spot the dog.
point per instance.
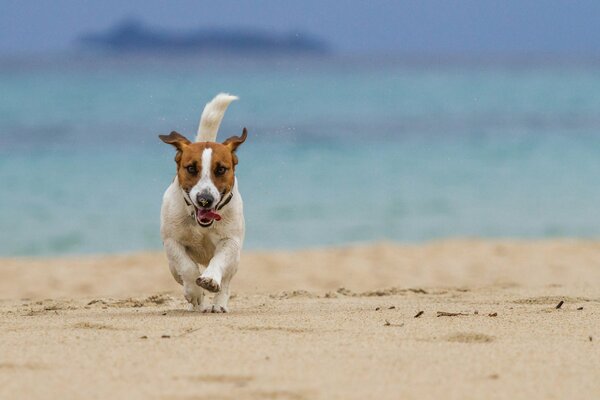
(202, 218)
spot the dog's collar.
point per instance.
(192, 209)
(226, 201)
(223, 203)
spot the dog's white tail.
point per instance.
(212, 116)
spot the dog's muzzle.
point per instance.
(204, 216)
(205, 200)
(207, 214)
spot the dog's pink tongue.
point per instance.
(208, 214)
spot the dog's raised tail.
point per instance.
(212, 116)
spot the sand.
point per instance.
(336, 323)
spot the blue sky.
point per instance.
(474, 27)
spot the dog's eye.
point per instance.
(192, 169)
(220, 170)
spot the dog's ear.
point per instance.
(234, 142)
(175, 139)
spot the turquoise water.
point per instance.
(339, 150)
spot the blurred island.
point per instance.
(132, 36)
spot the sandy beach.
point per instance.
(335, 323)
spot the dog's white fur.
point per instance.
(217, 247)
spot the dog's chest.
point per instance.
(200, 244)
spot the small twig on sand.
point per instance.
(559, 305)
(188, 331)
(417, 315)
(450, 314)
(388, 323)
(494, 314)
(579, 308)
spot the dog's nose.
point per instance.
(205, 200)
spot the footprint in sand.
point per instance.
(462, 337)
(551, 300)
(9, 366)
(273, 328)
(223, 379)
(93, 325)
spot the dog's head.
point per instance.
(206, 172)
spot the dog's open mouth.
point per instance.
(206, 217)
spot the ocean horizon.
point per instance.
(340, 149)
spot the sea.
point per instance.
(340, 150)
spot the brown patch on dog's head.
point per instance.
(190, 164)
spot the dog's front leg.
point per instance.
(219, 272)
(187, 270)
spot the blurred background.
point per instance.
(405, 121)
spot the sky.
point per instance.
(425, 27)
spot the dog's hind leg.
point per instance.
(175, 273)
(184, 268)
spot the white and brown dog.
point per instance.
(202, 219)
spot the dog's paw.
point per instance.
(220, 309)
(208, 284)
(195, 302)
(195, 308)
(215, 309)
(194, 296)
